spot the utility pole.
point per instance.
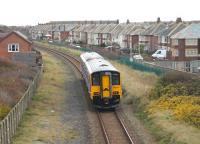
(131, 51)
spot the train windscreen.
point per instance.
(96, 79)
(115, 78)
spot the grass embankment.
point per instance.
(42, 121)
(14, 80)
(168, 106)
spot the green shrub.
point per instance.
(4, 110)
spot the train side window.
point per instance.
(96, 79)
(115, 79)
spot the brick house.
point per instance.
(185, 45)
(150, 38)
(12, 43)
(171, 29)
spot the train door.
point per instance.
(105, 86)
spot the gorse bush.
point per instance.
(186, 108)
(179, 93)
(175, 84)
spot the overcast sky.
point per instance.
(30, 12)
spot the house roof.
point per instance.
(64, 27)
(190, 32)
(81, 28)
(154, 29)
(118, 29)
(4, 28)
(171, 29)
(43, 27)
(128, 28)
(2, 35)
(137, 31)
(5, 35)
(109, 28)
(100, 28)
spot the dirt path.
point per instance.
(57, 112)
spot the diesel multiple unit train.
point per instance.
(102, 80)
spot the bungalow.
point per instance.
(185, 45)
(15, 46)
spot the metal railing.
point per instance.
(9, 124)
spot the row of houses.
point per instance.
(182, 39)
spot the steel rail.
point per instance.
(124, 128)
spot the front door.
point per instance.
(105, 86)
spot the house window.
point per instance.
(174, 42)
(174, 52)
(14, 47)
(191, 52)
(191, 42)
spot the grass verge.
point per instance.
(42, 121)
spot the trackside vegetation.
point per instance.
(179, 93)
(14, 80)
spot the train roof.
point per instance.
(95, 62)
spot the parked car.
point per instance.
(160, 54)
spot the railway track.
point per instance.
(113, 127)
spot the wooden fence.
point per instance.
(10, 123)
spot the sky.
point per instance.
(32, 12)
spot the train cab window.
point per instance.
(115, 79)
(96, 79)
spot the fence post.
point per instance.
(8, 130)
(1, 132)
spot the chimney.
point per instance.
(117, 21)
(178, 20)
(127, 22)
(158, 20)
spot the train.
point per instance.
(103, 80)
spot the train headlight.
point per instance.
(96, 94)
(115, 93)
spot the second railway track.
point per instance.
(113, 127)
